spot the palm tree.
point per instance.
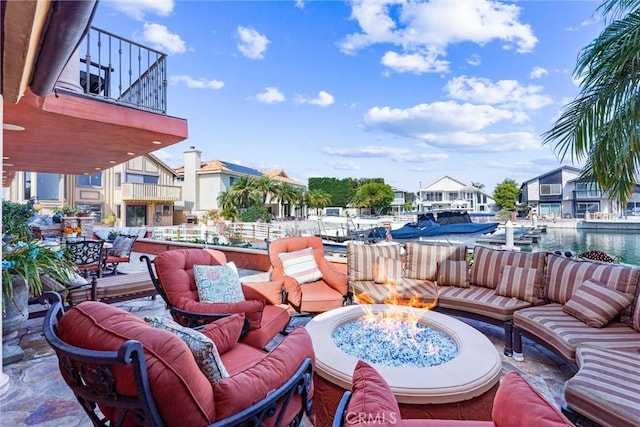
(318, 199)
(602, 124)
(265, 186)
(284, 194)
(244, 189)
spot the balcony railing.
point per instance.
(123, 71)
(151, 192)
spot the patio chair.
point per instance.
(125, 372)
(118, 253)
(172, 273)
(313, 285)
(87, 255)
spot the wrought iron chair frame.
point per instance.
(89, 375)
(90, 254)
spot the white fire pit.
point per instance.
(473, 371)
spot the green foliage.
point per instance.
(31, 259)
(601, 124)
(14, 220)
(254, 213)
(506, 194)
(337, 188)
(374, 195)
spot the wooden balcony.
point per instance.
(132, 191)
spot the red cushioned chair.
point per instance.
(327, 293)
(516, 404)
(124, 372)
(174, 280)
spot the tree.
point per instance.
(506, 194)
(244, 190)
(285, 194)
(374, 195)
(318, 199)
(601, 125)
(265, 186)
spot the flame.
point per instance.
(400, 309)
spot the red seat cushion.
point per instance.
(182, 393)
(533, 410)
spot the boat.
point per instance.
(428, 225)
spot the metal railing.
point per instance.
(151, 192)
(123, 71)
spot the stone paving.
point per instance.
(37, 395)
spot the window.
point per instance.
(232, 179)
(587, 189)
(48, 186)
(142, 179)
(633, 208)
(94, 180)
(118, 211)
(550, 209)
(453, 196)
(95, 210)
(550, 189)
(27, 185)
(582, 208)
(117, 180)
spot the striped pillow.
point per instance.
(301, 265)
(595, 304)
(517, 282)
(453, 273)
(422, 259)
(388, 271)
(635, 319)
(361, 259)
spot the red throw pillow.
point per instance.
(225, 332)
(533, 410)
(252, 309)
(372, 401)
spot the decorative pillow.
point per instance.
(388, 271)
(595, 304)
(539, 412)
(517, 282)
(271, 292)
(361, 259)
(301, 265)
(124, 248)
(217, 283)
(453, 273)
(203, 349)
(372, 398)
(224, 332)
(422, 259)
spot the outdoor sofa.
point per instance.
(536, 294)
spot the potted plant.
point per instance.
(22, 264)
(109, 220)
(70, 231)
(14, 221)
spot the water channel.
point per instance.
(622, 245)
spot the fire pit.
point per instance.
(473, 369)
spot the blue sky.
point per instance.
(408, 91)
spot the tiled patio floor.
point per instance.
(38, 396)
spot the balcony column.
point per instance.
(70, 77)
(4, 378)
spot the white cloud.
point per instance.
(474, 60)
(252, 44)
(538, 72)
(345, 165)
(324, 99)
(483, 142)
(414, 63)
(161, 39)
(300, 4)
(436, 117)
(137, 9)
(193, 83)
(270, 96)
(428, 28)
(377, 151)
(505, 93)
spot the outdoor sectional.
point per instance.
(535, 294)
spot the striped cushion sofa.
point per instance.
(498, 283)
(582, 297)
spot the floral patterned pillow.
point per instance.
(217, 283)
(203, 348)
